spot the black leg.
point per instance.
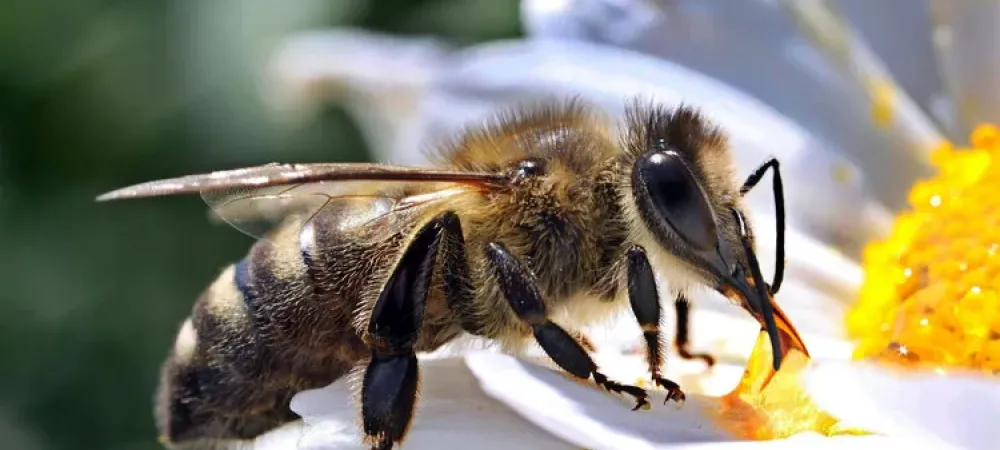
(645, 303)
(520, 288)
(779, 207)
(389, 389)
(683, 309)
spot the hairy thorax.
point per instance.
(567, 233)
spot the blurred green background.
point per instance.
(98, 94)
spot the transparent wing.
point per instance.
(256, 212)
(256, 199)
(273, 175)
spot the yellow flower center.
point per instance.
(931, 295)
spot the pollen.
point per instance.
(768, 405)
(931, 294)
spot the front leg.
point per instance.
(645, 302)
(520, 288)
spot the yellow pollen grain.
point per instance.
(931, 295)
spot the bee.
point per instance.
(525, 230)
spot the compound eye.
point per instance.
(673, 197)
(529, 168)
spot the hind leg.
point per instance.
(390, 384)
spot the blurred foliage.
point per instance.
(97, 94)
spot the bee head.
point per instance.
(685, 199)
(675, 206)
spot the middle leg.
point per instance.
(521, 290)
(683, 309)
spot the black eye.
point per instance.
(529, 168)
(670, 194)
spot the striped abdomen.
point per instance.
(280, 321)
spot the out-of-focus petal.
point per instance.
(379, 78)
(956, 409)
(905, 47)
(755, 47)
(452, 412)
(967, 37)
(891, 108)
(613, 21)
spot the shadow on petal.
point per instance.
(452, 412)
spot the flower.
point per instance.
(851, 162)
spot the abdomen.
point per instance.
(280, 321)
(267, 328)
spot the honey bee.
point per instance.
(527, 229)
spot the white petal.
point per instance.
(956, 409)
(812, 442)
(584, 415)
(905, 46)
(592, 418)
(452, 412)
(379, 78)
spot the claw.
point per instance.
(674, 391)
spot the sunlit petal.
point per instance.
(591, 418)
(585, 415)
(960, 410)
(811, 442)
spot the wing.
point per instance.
(382, 209)
(257, 199)
(271, 175)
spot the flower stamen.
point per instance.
(931, 295)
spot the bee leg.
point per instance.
(520, 288)
(458, 291)
(645, 302)
(779, 209)
(389, 389)
(683, 310)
